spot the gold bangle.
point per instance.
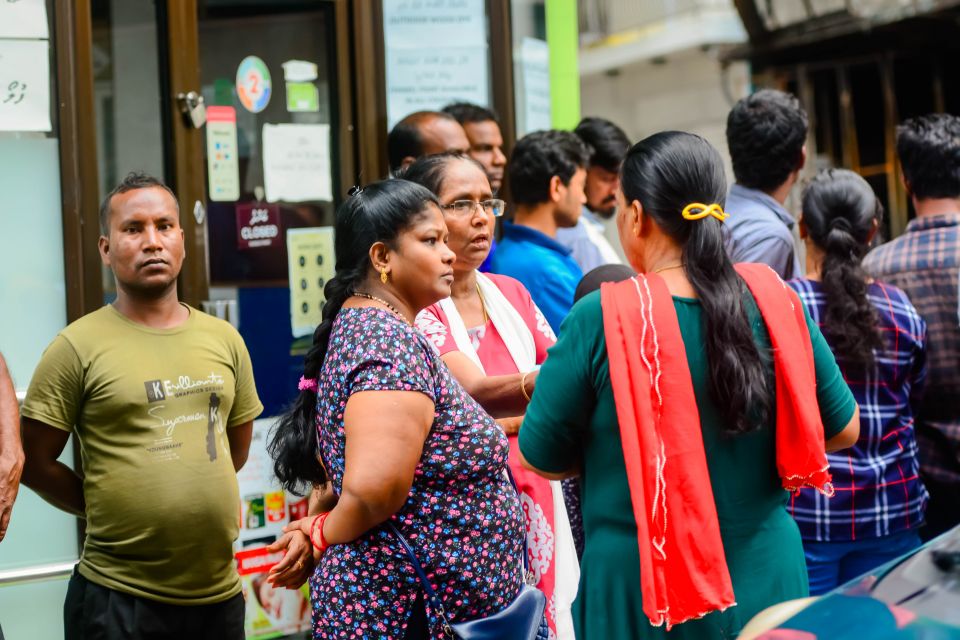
(523, 387)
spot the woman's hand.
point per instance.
(298, 562)
(511, 426)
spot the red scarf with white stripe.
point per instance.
(683, 570)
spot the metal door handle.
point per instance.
(193, 108)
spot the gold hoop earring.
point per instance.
(383, 275)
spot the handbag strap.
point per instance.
(428, 588)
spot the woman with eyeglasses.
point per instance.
(493, 338)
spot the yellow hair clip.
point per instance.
(697, 211)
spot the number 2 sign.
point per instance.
(253, 84)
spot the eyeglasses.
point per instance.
(494, 207)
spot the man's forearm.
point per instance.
(58, 484)
(10, 443)
(11, 448)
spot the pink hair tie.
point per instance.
(308, 384)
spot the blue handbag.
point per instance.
(522, 619)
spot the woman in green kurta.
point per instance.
(572, 424)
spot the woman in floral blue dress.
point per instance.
(399, 439)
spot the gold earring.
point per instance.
(383, 275)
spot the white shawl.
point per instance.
(519, 341)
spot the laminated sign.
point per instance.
(223, 169)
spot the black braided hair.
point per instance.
(839, 213)
(376, 213)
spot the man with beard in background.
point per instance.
(608, 145)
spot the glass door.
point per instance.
(271, 158)
(128, 96)
(271, 167)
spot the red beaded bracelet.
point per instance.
(314, 526)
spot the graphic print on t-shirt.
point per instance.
(214, 426)
(181, 406)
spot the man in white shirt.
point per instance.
(608, 145)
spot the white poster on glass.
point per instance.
(430, 79)
(23, 19)
(445, 23)
(24, 85)
(535, 82)
(436, 53)
(296, 162)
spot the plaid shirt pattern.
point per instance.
(878, 491)
(925, 262)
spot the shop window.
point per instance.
(32, 296)
(289, 48)
(127, 97)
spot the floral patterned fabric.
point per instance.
(462, 516)
(536, 496)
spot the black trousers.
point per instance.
(94, 612)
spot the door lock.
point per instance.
(193, 108)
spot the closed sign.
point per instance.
(258, 225)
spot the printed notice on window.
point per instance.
(430, 79)
(436, 53)
(445, 23)
(23, 19)
(296, 162)
(535, 72)
(310, 267)
(24, 85)
(223, 169)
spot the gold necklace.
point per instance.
(361, 294)
(483, 306)
(673, 266)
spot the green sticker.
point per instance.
(302, 96)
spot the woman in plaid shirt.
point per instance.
(879, 342)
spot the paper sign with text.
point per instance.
(296, 162)
(223, 168)
(24, 85)
(23, 19)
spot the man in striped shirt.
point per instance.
(925, 263)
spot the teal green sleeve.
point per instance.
(836, 401)
(552, 435)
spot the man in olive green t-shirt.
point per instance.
(162, 400)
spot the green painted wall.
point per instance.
(563, 40)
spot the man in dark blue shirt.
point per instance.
(547, 174)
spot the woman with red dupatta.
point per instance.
(689, 399)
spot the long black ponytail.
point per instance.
(377, 213)
(666, 172)
(839, 212)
